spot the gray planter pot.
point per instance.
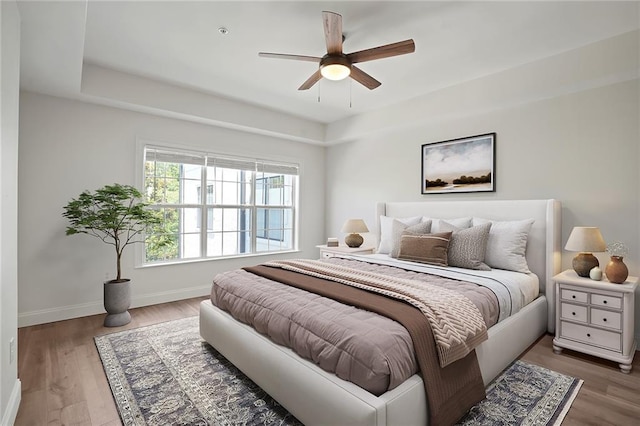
(117, 299)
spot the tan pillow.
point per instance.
(425, 248)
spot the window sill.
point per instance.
(213, 259)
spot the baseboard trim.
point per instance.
(61, 313)
(13, 405)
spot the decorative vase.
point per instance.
(354, 240)
(117, 299)
(595, 274)
(616, 270)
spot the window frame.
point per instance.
(204, 206)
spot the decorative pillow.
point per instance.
(426, 248)
(468, 246)
(460, 222)
(399, 229)
(386, 231)
(507, 245)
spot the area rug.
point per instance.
(165, 374)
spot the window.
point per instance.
(215, 206)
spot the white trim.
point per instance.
(62, 313)
(172, 295)
(11, 411)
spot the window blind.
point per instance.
(214, 160)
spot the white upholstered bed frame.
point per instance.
(320, 398)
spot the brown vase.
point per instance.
(616, 270)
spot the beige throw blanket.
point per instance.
(457, 324)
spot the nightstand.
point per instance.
(595, 317)
(326, 252)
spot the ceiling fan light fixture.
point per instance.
(335, 68)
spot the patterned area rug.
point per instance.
(525, 394)
(165, 374)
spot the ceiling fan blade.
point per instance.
(285, 56)
(363, 78)
(315, 77)
(333, 32)
(386, 51)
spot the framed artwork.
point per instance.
(459, 165)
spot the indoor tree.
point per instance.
(116, 214)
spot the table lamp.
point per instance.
(353, 227)
(585, 240)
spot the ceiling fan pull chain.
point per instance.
(319, 91)
(350, 92)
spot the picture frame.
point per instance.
(459, 165)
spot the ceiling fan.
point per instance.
(336, 65)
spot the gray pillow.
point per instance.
(398, 228)
(460, 222)
(468, 246)
(426, 248)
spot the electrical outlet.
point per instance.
(12, 350)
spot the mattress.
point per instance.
(365, 348)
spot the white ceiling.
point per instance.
(178, 42)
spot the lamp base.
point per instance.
(354, 240)
(583, 263)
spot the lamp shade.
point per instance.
(585, 239)
(335, 72)
(333, 67)
(354, 226)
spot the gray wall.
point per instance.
(579, 145)
(69, 146)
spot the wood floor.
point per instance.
(63, 382)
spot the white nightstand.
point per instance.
(326, 252)
(595, 317)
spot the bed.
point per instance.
(315, 396)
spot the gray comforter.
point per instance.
(359, 346)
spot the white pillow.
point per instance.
(386, 231)
(507, 245)
(460, 222)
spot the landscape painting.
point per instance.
(459, 165)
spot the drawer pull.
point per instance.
(573, 313)
(604, 301)
(604, 319)
(588, 334)
(573, 297)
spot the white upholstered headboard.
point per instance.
(544, 242)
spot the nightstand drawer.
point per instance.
(591, 336)
(326, 254)
(574, 312)
(575, 296)
(608, 301)
(606, 318)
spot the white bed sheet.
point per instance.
(514, 290)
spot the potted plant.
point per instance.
(117, 215)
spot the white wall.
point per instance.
(580, 146)
(69, 146)
(9, 89)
